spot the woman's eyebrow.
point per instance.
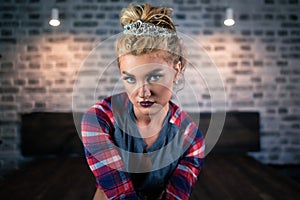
(126, 73)
(151, 72)
(155, 71)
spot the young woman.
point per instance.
(139, 144)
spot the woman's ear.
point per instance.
(177, 68)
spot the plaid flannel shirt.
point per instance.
(107, 165)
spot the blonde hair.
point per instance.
(139, 45)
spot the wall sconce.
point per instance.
(229, 21)
(54, 21)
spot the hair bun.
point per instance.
(159, 16)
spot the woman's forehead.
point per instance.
(151, 59)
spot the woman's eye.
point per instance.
(129, 80)
(153, 78)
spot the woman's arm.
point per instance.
(102, 156)
(181, 182)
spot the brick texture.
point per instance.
(258, 61)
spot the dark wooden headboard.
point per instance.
(46, 134)
(49, 134)
(240, 133)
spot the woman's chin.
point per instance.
(153, 110)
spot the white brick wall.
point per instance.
(258, 60)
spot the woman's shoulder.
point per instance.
(180, 117)
(105, 108)
(185, 124)
(106, 104)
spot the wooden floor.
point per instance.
(50, 179)
(223, 177)
(241, 177)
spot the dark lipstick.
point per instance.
(146, 103)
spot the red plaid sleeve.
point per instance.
(181, 182)
(102, 156)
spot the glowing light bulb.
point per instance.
(54, 22)
(229, 22)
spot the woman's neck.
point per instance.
(144, 119)
(151, 125)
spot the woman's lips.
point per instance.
(146, 103)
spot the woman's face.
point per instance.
(148, 80)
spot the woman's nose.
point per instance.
(144, 91)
